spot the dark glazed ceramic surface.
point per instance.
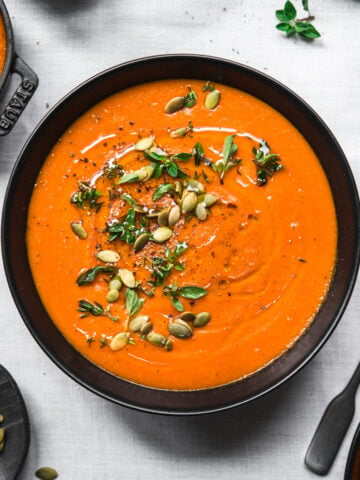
(19, 193)
(352, 471)
(29, 80)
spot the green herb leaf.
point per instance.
(290, 10)
(87, 307)
(198, 153)
(208, 86)
(229, 150)
(171, 168)
(161, 267)
(192, 292)
(89, 275)
(162, 190)
(310, 32)
(177, 304)
(87, 196)
(190, 99)
(133, 302)
(290, 24)
(129, 178)
(183, 157)
(267, 164)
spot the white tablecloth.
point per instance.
(84, 436)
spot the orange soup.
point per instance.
(182, 234)
(2, 44)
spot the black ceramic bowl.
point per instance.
(20, 190)
(352, 471)
(27, 86)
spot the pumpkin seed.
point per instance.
(112, 295)
(180, 329)
(127, 278)
(202, 319)
(144, 143)
(145, 173)
(108, 256)
(141, 209)
(115, 283)
(119, 341)
(169, 344)
(153, 213)
(140, 242)
(79, 230)
(163, 218)
(156, 339)
(137, 322)
(180, 132)
(46, 473)
(2, 434)
(187, 316)
(209, 199)
(162, 234)
(212, 99)
(175, 104)
(189, 202)
(146, 328)
(200, 211)
(179, 188)
(174, 215)
(195, 186)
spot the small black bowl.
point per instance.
(14, 64)
(15, 217)
(352, 470)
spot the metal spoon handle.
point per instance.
(332, 428)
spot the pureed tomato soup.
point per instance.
(2, 44)
(182, 238)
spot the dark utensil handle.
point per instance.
(21, 97)
(332, 428)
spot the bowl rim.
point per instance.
(90, 83)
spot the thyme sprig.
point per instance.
(267, 164)
(87, 308)
(87, 196)
(129, 228)
(161, 267)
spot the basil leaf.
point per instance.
(290, 10)
(129, 178)
(177, 304)
(192, 292)
(89, 275)
(183, 157)
(162, 190)
(133, 302)
(285, 27)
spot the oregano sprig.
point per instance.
(290, 24)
